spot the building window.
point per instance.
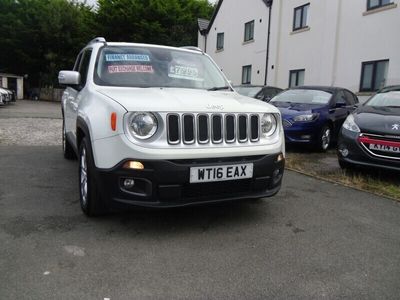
(296, 77)
(372, 4)
(373, 75)
(220, 41)
(246, 74)
(249, 31)
(300, 17)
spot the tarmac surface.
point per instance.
(314, 240)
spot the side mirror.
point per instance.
(69, 78)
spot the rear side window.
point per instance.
(349, 98)
(340, 98)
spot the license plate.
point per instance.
(384, 148)
(221, 173)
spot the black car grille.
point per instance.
(367, 139)
(203, 128)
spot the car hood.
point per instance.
(378, 120)
(184, 100)
(289, 110)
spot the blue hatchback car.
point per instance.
(314, 114)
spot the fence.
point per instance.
(50, 94)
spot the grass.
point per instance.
(378, 182)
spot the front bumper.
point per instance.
(304, 133)
(165, 183)
(357, 155)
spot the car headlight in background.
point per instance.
(268, 125)
(350, 124)
(306, 118)
(142, 125)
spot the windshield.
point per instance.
(303, 96)
(131, 66)
(249, 91)
(385, 99)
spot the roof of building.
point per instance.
(216, 10)
(10, 75)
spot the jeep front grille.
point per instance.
(204, 128)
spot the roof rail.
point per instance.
(192, 48)
(98, 40)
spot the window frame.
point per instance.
(297, 71)
(85, 53)
(247, 67)
(219, 34)
(369, 7)
(374, 70)
(301, 7)
(252, 32)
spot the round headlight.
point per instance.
(143, 125)
(268, 125)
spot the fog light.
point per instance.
(280, 158)
(129, 183)
(344, 152)
(276, 173)
(137, 165)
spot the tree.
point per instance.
(168, 22)
(41, 37)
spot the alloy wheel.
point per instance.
(83, 177)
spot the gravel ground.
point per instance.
(31, 123)
(30, 131)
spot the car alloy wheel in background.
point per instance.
(325, 138)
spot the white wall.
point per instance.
(231, 18)
(365, 38)
(313, 49)
(339, 39)
(20, 88)
(4, 82)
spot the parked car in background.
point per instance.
(313, 115)
(261, 92)
(2, 98)
(5, 96)
(160, 126)
(371, 135)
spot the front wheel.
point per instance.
(324, 139)
(90, 198)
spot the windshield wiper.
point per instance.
(218, 88)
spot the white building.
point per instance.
(350, 43)
(13, 82)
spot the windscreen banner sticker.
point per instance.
(184, 72)
(130, 69)
(127, 57)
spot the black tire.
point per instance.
(90, 199)
(68, 151)
(324, 139)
